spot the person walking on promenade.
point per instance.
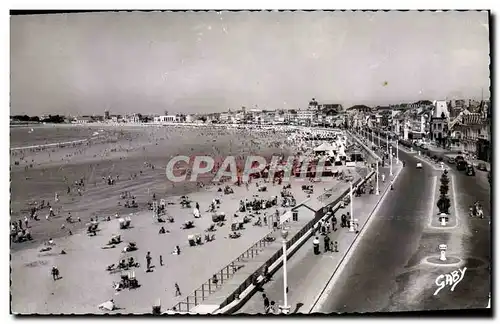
(148, 261)
(343, 220)
(383, 177)
(266, 303)
(327, 243)
(316, 246)
(161, 261)
(177, 290)
(334, 223)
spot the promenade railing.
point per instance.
(221, 276)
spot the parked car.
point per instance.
(482, 167)
(461, 165)
(419, 165)
(470, 170)
(459, 158)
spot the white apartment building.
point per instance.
(224, 117)
(305, 114)
(166, 119)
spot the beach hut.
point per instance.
(324, 148)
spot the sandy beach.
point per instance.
(127, 153)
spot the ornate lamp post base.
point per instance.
(285, 309)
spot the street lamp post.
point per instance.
(373, 142)
(285, 308)
(387, 141)
(377, 192)
(390, 153)
(397, 150)
(351, 220)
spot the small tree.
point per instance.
(444, 178)
(443, 190)
(444, 204)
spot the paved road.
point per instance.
(385, 274)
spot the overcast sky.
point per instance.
(203, 62)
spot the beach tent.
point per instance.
(322, 148)
(325, 147)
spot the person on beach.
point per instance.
(148, 261)
(55, 273)
(177, 290)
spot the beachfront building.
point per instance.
(332, 108)
(305, 116)
(134, 118)
(238, 118)
(313, 105)
(82, 120)
(224, 117)
(439, 131)
(474, 134)
(165, 119)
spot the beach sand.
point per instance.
(122, 154)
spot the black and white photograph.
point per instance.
(272, 162)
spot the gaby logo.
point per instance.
(449, 279)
